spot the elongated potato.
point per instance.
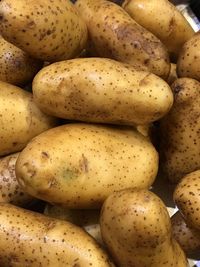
(11, 192)
(188, 64)
(179, 131)
(101, 90)
(136, 229)
(116, 35)
(163, 19)
(80, 165)
(17, 67)
(172, 75)
(30, 239)
(20, 119)
(49, 30)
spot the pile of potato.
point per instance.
(96, 99)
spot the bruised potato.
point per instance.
(49, 30)
(20, 119)
(114, 34)
(101, 90)
(34, 240)
(188, 64)
(17, 67)
(179, 131)
(80, 165)
(163, 19)
(136, 229)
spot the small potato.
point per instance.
(101, 90)
(87, 219)
(114, 34)
(188, 64)
(172, 75)
(17, 67)
(187, 198)
(186, 236)
(20, 119)
(49, 30)
(179, 131)
(163, 19)
(136, 229)
(31, 239)
(80, 165)
(11, 192)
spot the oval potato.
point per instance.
(163, 19)
(20, 119)
(34, 240)
(49, 30)
(116, 35)
(101, 90)
(79, 165)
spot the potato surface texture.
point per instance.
(188, 64)
(179, 131)
(114, 34)
(49, 30)
(163, 19)
(136, 229)
(17, 67)
(79, 165)
(20, 119)
(101, 90)
(30, 239)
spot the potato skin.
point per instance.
(17, 67)
(101, 90)
(11, 192)
(79, 165)
(186, 236)
(46, 29)
(31, 239)
(172, 75)
(187, 198)
(20, 119)
(136, 228)
(188, 64)
(116, 35)
(163, 19)
(179, 131)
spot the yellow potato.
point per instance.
(179, 131)
(11, 192)
(20, 119)
(49, 30)
(136, 229)
(17, 67)
(172, 75)
(79, 165)
(31, 239)
(186, 236)
(116, 35)
(101, 90)
(188, 64)
(163, 19)
(187, 198)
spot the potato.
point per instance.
(187, 198)
(163, 19)
(11, 192)
(115, 35)
(101, 90)
(79, 165)
(188, 64)
(17, 67)
(49, 30)
(172, 75)
(87, 219)
(136, 228)
(31, 239)
(187, 237)
(179, 131)
(20, 119)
